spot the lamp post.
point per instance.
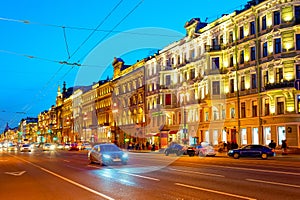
(84, 119)
(115, 112)
(184, 115)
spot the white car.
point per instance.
(48, 147)
(25, 147)
(205, 149)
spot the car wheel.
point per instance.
(236, 155)
(191, 154)
(264, 156)
(200, 154)
(178, 153)
(91, 160)
(166, 153)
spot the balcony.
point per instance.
(283, 84)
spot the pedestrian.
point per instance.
(284, 147)
(272, 144)
(153, 147)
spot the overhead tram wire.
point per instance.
(94, 30)
(116, 25)
(67, 48)
(109, 32)
(85, 29)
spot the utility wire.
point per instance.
(90, 35)
(67, 47)
(116, 26)
(86, 29)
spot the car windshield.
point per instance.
(107, 148)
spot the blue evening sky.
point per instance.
(37, 37)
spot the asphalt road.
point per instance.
(68, 175)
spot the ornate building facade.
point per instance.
(232, 79)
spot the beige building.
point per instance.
(129, 102)
(230, 80)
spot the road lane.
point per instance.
(37, 183)
(155, 176)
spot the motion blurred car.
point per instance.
(205, 149)
(86, 146)
(107, 154)
(190, 150)
(25, 148)
(74, 146)
(67, 146)
(60, 146)
(174, 148)
(48, 147)
(252, 150)
(12, 147)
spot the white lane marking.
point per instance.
(247, 169)
(263, 170)
(206, 174)
(66, 161)
(273, 183)
(15, 173)
(145, 177)
(68, 180)
(214, 191)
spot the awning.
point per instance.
(152, 134)
(173, 132)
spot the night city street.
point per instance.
(150, 100)
(68, 175)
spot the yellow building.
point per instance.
(235, 79)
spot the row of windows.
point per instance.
(218, 41)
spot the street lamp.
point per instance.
(84, 119)
(115, 112)
(184, 94)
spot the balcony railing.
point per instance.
(283, 84)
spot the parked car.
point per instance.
(174, 148)
(189, 150)
(107, 154)
(205, 149)
(25, 147)
(252, 150)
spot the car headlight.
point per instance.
(106, 156)
(125, 155)
(230, 151)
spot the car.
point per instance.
(205, 149)
(25, 147)
(67, 146)
(189, 150)
(74, 146)
(107, 154)
(60, 146)
(12, 147)
(174, 148)
(86, 146)
(48, 147)
(252, 150)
